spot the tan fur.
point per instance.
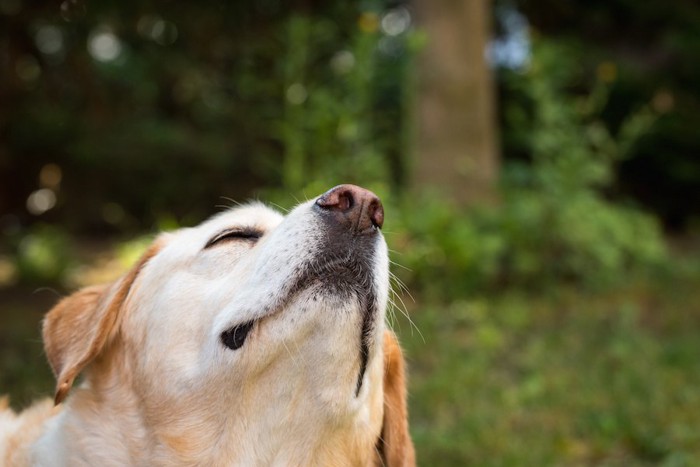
(396, 443)
(130, 409)
(78, 328)
(26, 428)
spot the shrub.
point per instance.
(554, 221)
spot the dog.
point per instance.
(253, 339)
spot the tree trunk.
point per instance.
(457, 151)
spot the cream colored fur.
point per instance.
(160, 389)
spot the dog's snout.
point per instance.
(355, 207)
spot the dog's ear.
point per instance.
(78, 328)
(396, 445)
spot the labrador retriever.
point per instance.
(253, 339)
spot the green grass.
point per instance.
(575, 378)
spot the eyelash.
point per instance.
(234, 234)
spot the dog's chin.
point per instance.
(340, 286)
(334, 288)
(346, 283)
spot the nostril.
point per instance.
(353, 207)
(341, 200)
(345, 201)
(376, 213)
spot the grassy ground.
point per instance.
(573, 378)
(566, 378)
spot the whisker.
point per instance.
(404, 311)
(281, 208)
(379, 453)
(401, 285)
(399, 265)
(231, 200)
(391, 315)
(47, 289)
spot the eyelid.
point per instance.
(240, 233)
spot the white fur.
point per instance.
(177, 396)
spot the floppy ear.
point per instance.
(396, 445)
(79, 327)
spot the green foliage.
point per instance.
(203, 101)
(646, 52)
(576, 378)
(43, 256)
(327, 126)
(559, 211)
(336, 127)
(128, 253)
(554, 222)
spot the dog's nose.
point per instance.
(353, 206)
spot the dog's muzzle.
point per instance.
(359, 212)
(352, 217)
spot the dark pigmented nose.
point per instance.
(358, 209)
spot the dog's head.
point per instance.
(253, 324)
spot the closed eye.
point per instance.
(247, 234)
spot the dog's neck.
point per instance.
(251, 433)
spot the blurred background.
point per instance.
(538, 161)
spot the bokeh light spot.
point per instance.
(8, 271)
(343, 62)
(159, 30)
(296, 94)
(49, 40)
(368, 22)
(50, 176)
(41, 201)
(396, 21)
(104, 45)
(513, 49)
